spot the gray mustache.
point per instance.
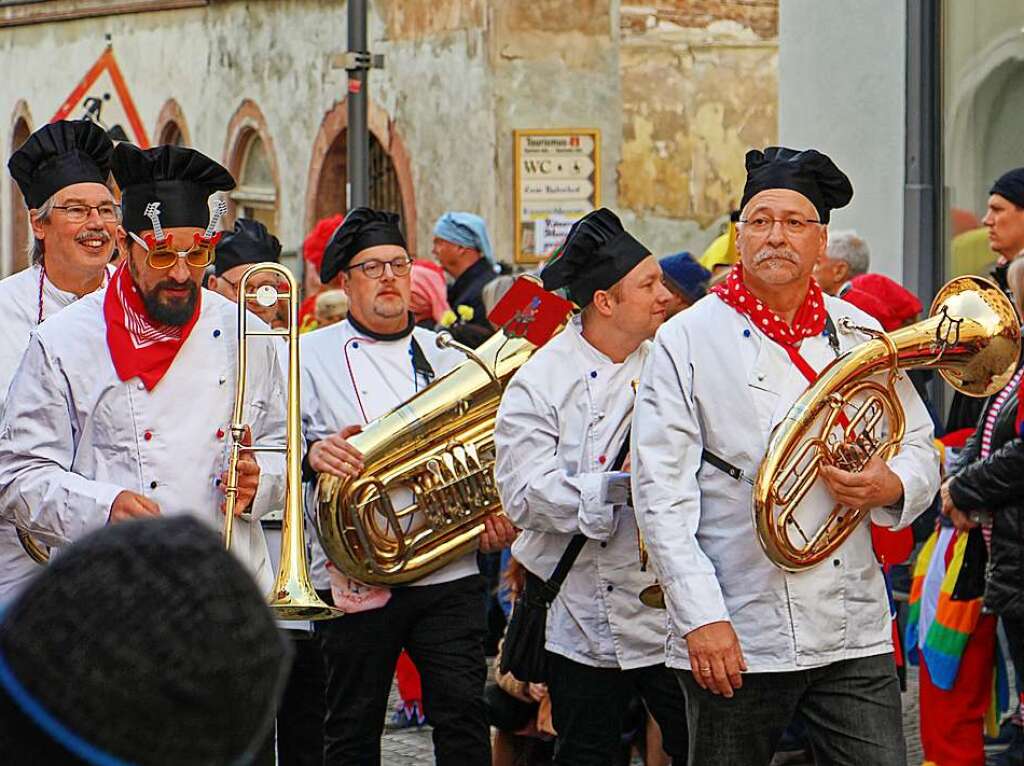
(93, 234)
(764, 255)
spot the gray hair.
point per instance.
(36, 248)
(1015, 281)
(495, 290)
(847, 246)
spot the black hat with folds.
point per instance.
(249, 242)
(362, 228)
(60, 154)
(807, 171)
(146, 643)
(596, 254)
(180, 180)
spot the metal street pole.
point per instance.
(358, 139)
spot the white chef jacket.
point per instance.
(714, 381)
(74, 435)
(560, 426)
(19, 297)
(350, 379)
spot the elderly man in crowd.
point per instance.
(847, 256)
(754, 644)
(686, 280)
(62, 171)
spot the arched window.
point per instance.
(256, 194)
(385, 193)
(19, 212)
(251, 160)
(171, 127)
(389, 170)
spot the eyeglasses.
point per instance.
(162, 257)
(80, 213)
(374, 269)
(762, 224)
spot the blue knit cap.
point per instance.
(686, 275)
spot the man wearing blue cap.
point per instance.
(463, 248)
(685, 279)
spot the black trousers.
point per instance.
(300, 717)
(442, 627)
(588, 707)
(851, 709)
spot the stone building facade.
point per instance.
(679, 89)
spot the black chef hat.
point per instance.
(250, 242)
(144, 643)
(808, 172)
(58, 155)
(1011, 186)
(180, 179)
(596, 254)
(362, 228)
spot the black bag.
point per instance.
(522, 652)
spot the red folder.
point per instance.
(528, 310)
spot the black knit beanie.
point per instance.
(144, 643)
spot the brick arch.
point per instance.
(382, 127)
(21, 128)
(171, 116)
(247, 120)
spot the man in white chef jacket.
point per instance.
(62, 171)
(562, 423)
(122, 405)
(753, 644)
(352, 373)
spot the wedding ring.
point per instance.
(706, 670)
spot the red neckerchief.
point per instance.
(809, 319)
(138, 347)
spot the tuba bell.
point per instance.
(428, 478)
(971, 336)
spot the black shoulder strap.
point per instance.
(553, 584)
(419, 360)
(833, 336)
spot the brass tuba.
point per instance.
(293, 596)
(972, 336)
(428, 477)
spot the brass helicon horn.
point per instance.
(971, 336)
(293, 596)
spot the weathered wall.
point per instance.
(677, 94)
(435, 87)
(699, 88)
(555, 65)
(842, 70)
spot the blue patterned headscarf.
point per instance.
(467, 230)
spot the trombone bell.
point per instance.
(293, 596)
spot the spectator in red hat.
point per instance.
(313, 255)
(885, 299)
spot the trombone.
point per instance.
(293, 596)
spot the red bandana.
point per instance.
(137, 346)
(809, 319)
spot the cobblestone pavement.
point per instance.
(413, 747)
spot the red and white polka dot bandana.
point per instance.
(809, 319)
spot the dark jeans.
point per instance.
(1014, 630)
(588, 706)
(300, 717)
(851, 709)
(442, 627)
